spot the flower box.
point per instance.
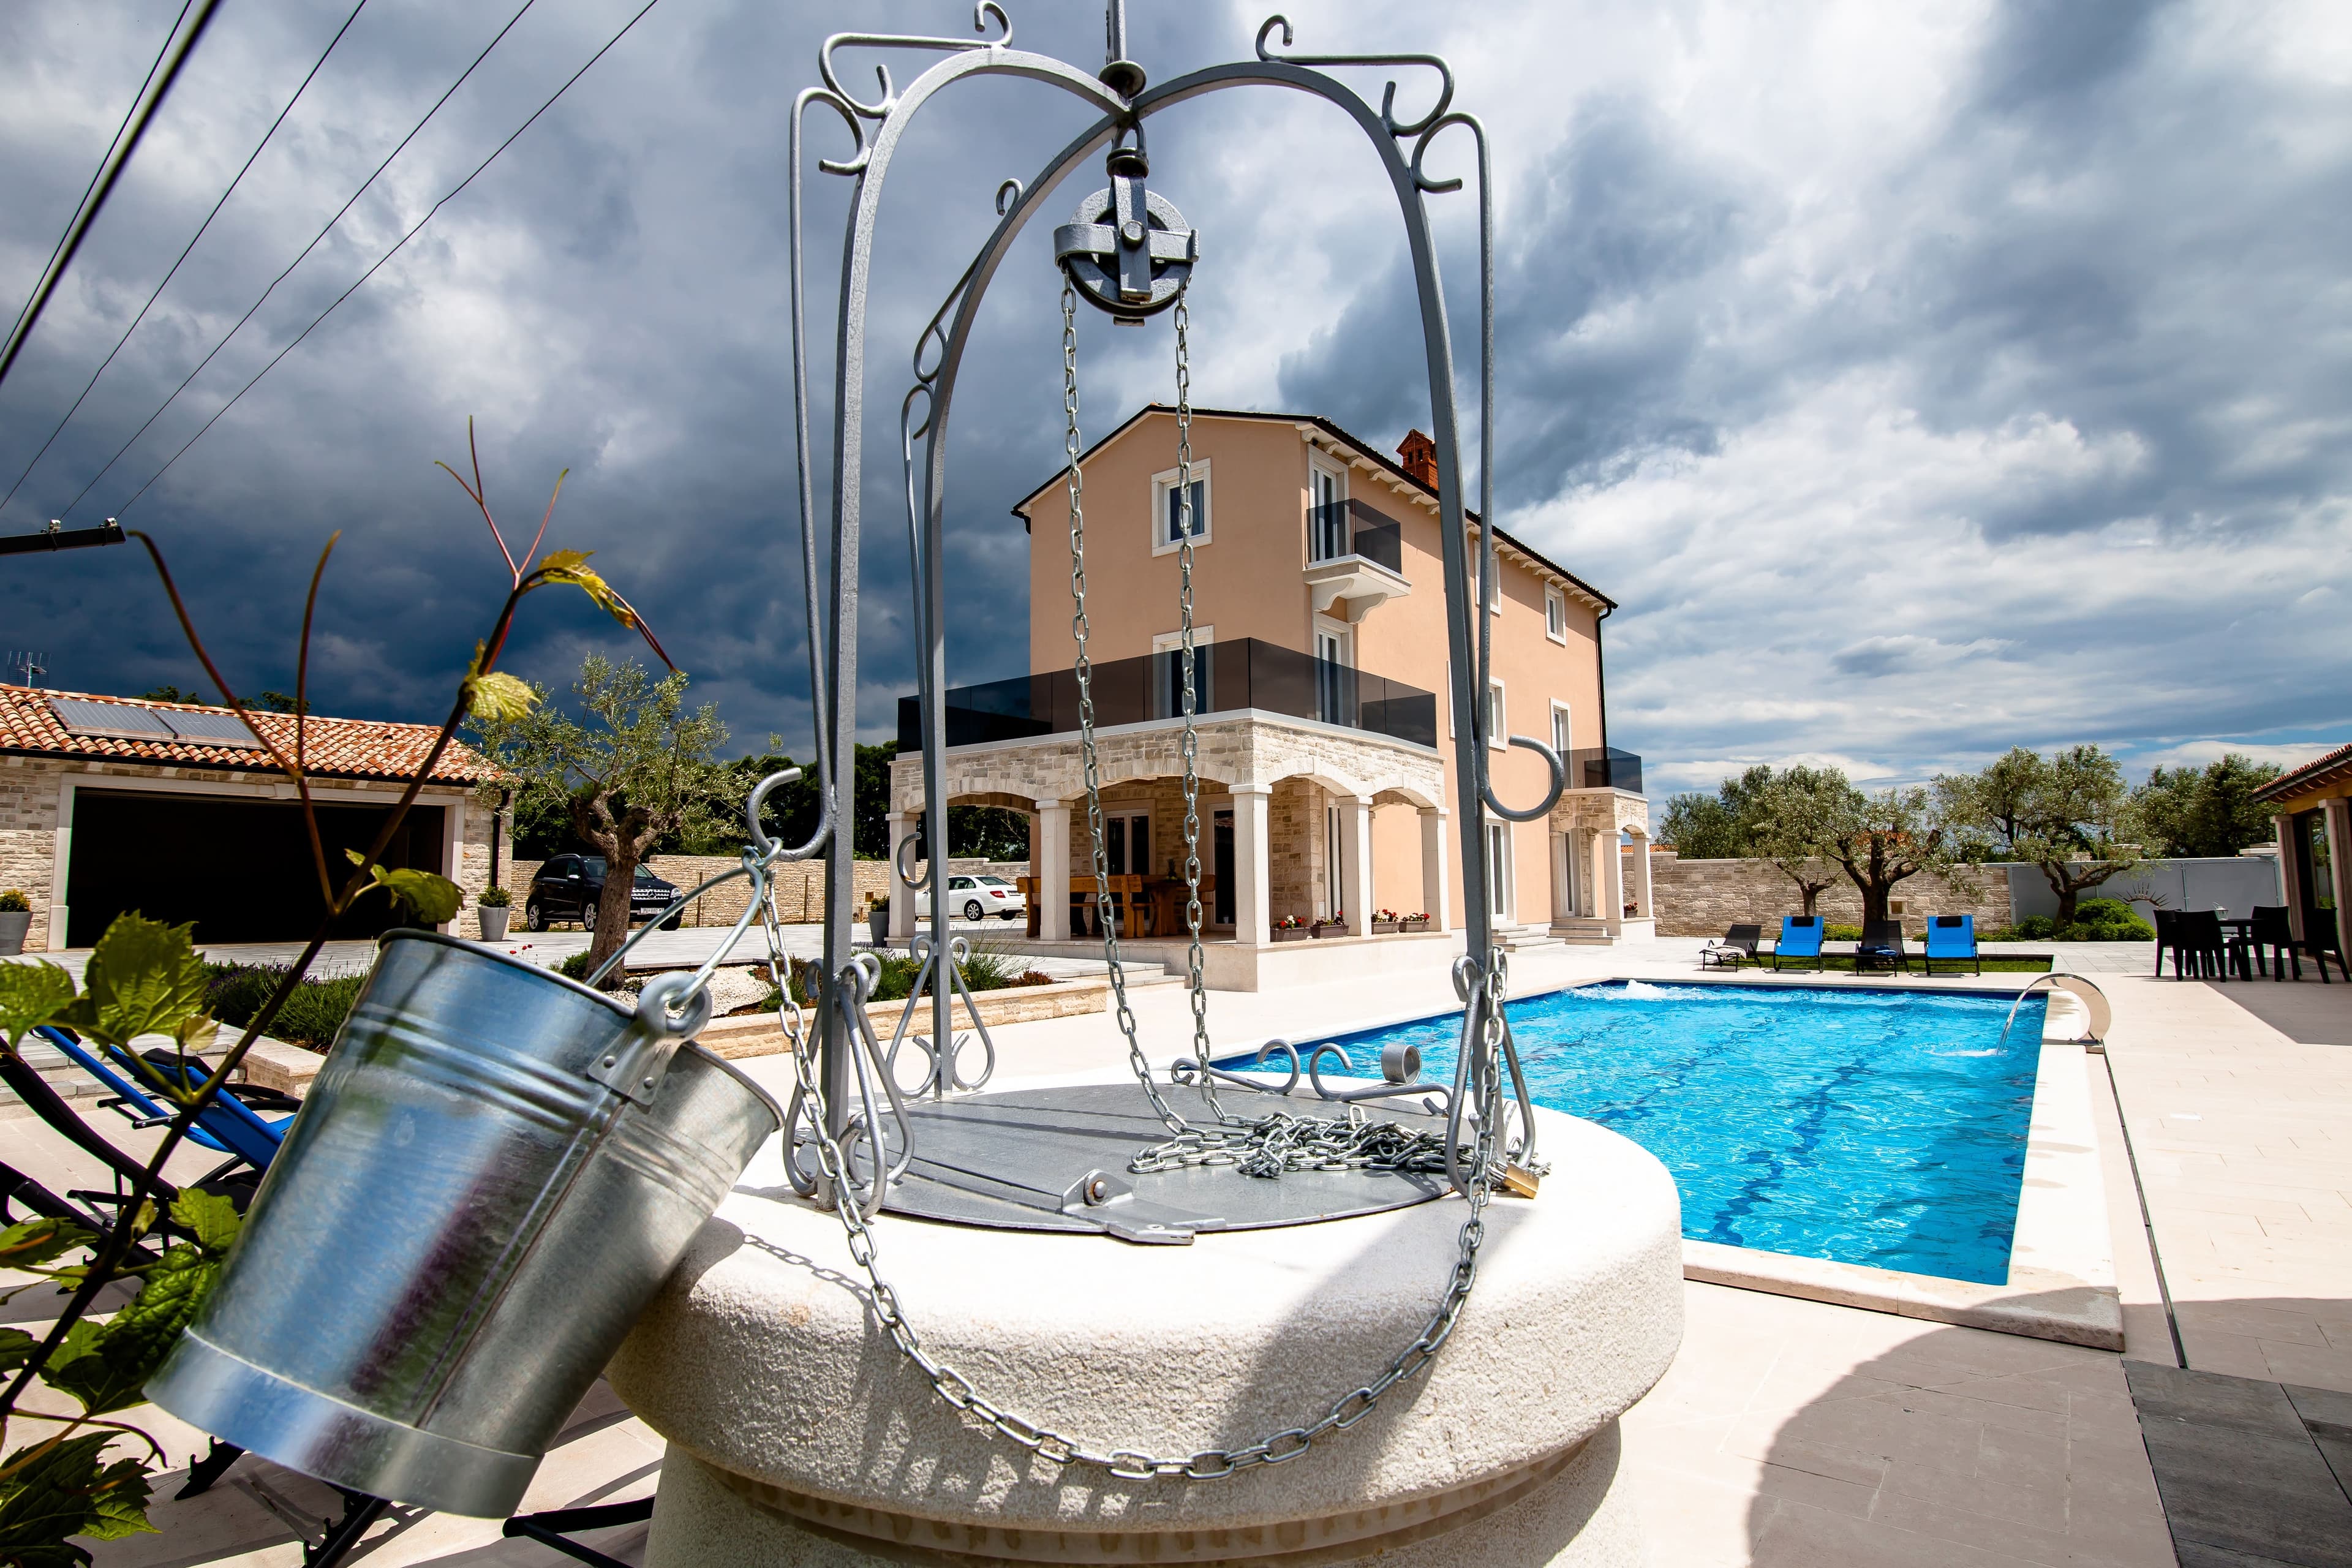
(1293, 933)
(1337, 927)
(1419, 922)
(1383, 928)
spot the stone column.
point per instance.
(1641, 877)
(2290, 863)
(2339, 867)
(1053, 870)
(902, 897)
(1436, 883)
(1613, 881)
(1356, 862)
(1252, 876)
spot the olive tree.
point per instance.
(2066, 814)
(636, 768)
(2191, 811)
(1884, 839)
(1791, 818)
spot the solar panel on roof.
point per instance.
(114, 720)
(212, 730)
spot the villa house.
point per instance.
(1325, 753)
(2312, 805)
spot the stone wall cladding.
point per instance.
(800, 887)
(1702, 897)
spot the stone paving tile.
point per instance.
(2237, 1468)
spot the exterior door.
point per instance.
(1326, 514)
(1221, 831)
(1334, 676)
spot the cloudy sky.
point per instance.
(1921, 380)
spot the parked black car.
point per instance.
(568, 888)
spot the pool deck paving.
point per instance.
(1792, 1431)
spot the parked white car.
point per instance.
(977, 898)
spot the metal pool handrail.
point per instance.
(2058, 980)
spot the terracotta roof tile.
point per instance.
(334, 748)
(2311, 775)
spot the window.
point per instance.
(1562, 735)
(1127, 841)
(1168, 687)
(1498, 868)
(1499, 729)
(1327, 512)
(1168, 508)
(1555, 614)
(1334, 901)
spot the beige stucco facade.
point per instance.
(1318, 796)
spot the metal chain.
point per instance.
(1136, 1059)
(1190, 745)
(953, 1386)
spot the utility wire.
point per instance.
(306, 251)
(175, 272)
(388, 254)
(95, 197)
(112, 142)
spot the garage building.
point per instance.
(110, 804)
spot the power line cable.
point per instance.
(388, 254)
(103, 187)
(112, 142)
(191, 246)
(265, 293)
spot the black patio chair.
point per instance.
(2321, 940)
(2270, 941)
(1881, 944)
(1738, 942)
(2198, 946)
(2165, 938)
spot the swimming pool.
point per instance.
(1878, 1126)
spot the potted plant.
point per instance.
(1337, 921)
(1290, 928)
(16, 918)
(1385, 921)
(493, 909)
(1414, 922)
(877, 921)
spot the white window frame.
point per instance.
(1161, 483)
(1555, 610)
(1339, 632)
(1499, 735)
(1563, 730)
(1337, 472)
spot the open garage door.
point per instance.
(240, 868)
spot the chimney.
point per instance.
(1418, 453)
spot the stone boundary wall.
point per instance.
(800, 891)
(1703, 898)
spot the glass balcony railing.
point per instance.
(1345, 528)
(1604, 767)
(1228, 676)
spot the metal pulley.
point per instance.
(1126, 249)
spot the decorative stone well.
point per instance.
(800, 1434)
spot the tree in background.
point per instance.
(1884, 839)
(2067, 815)
(1720, 826)
(174, 694)
(1791, 818)
(641, 770)
(2189, 812)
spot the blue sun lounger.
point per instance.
(1953, 940)
(1801, 937)
(227, 1126)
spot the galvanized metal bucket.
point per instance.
(492, 1174)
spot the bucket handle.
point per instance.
(633, 1067)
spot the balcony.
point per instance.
(1604, 767)
(1355, 554)
(1229, 676)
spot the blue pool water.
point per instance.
(1874, 1127)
